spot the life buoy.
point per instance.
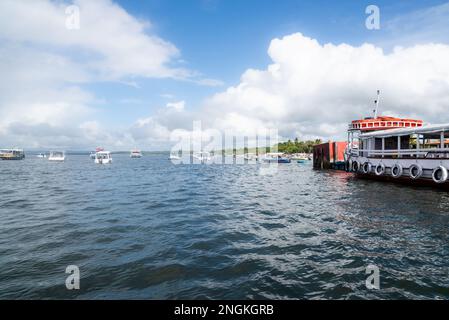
(366, 168)
(439, 174)
(396, 170)
(355, 166)
(380, 169)
(416, 171)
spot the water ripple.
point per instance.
(149, 229)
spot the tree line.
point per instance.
(297, 146)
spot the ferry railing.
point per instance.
(420, 153)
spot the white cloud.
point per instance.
(45, 66)
(309, 90)
(117, 44)
(314, 89)
(177, 106)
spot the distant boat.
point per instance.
(103, 157)
(203, 156)
(12, 154)
(174, 156)
(250, 157)
(136, 153)
(57, 156)
(276, 157)
(92, 155)
(41, 155)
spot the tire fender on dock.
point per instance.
(439, 174)
(396, 170)
(355, 166)
(366, 168)
(380, 169)
(416, 171)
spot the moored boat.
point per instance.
(174, 156)
(12, 154)
(103, 157)
(202, 156)
(276, 157)
(135, 153)
(57, 156)
(395, 149)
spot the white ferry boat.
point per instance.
(396, 149)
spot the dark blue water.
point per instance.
(145, 228)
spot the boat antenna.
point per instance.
(376, 102)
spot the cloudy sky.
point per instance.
(133, 73)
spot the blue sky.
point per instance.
(135, 72)
(222, 38)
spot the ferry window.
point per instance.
(405, 142)
(378, 144)
(391, 143)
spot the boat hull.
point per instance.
(425, 179)
(103, 161)
(277, 160)
(404, 180)
(12, 158)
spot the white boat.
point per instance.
(276, 157)
(41, 155)
(202, 156)
(250, 157)
(174, 156)
(57, 156)
(92, 155)
(395, 149)
(135, 153)
(103, 157)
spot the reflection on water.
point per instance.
(145, 228)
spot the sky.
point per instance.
(123, 74)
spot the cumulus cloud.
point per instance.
(309, 90)
(46, 66)
(314, 90)
(115, 42)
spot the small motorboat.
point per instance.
(57, 156)
(276, 157)
(202, 156)
(250, 157)
(135, 153)
(174, 156)
(92, 155)
(41, 155)
(103, 157)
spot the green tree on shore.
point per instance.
(297, 146)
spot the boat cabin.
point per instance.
(419, 142)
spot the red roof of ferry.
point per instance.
(383, 123)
